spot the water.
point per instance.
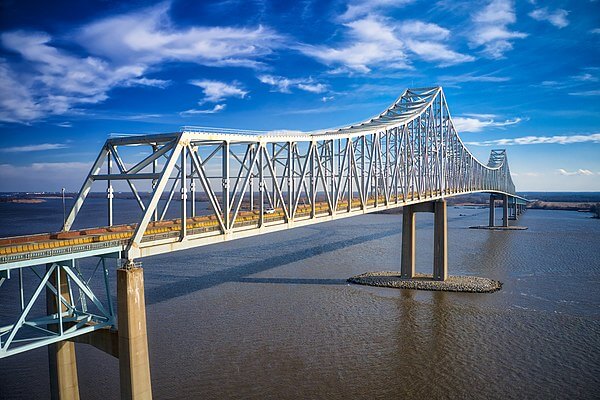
(272, 316)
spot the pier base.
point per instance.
(134, 364)
(440, 240)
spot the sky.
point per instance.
(524, 76)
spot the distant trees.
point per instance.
(595, 209)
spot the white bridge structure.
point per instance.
(408, 156)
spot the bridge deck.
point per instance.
(14, 251)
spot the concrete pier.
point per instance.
(505, 210)
(62, 362)
(134, 364)
(511, 209)
(440, 240)
(492, 210)
(407, 264)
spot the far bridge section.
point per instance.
(253, 182)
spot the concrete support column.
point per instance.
(407, 268)
(492, 210)
(134, 364)
(440, 241)
(61, 355)
(504, 210)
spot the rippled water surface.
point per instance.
(272, 316)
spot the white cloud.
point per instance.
(312, 87)
(217, 108)
(325, 99)
(65, 124)
(585, 77)
(361, 8)
(526, 174)
(159, 83)
(593, 138)
(437, 52)
(584, 172)
(34, 147)
(471, 77)
(465, 124)
(586, 93)
(490, 29)
(557, 18)
(425, 40)
(16, 100)
(215, 91)
(481, 116)
(284, 85)
(595, 31)
(148, 36)
(423, 30)
(374, 41)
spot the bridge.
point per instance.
(408, 156)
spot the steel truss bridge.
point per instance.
(254, 183)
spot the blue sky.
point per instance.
(522, 75)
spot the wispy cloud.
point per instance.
(65, 124)
(526, 174)
(217, 108)
(592, 138)
(583, 172)
(360, 8)
(34, 147)
(437, 52)
(159, 83)
(586, 93)
(480, 122)
(585, 77)
(557, 17)
(284, 85)
(472, 77)
(321, 110)
(490, 28)
(215, 91)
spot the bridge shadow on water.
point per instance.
(294, 281)
(240, 273)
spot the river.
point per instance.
(271, 317)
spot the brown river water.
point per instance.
(272, 317)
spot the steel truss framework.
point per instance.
(409, 153)
(69, 305)
(254, 183)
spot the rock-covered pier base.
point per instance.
(472, 284)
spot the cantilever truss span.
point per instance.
(253, 183)
(258, 182)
